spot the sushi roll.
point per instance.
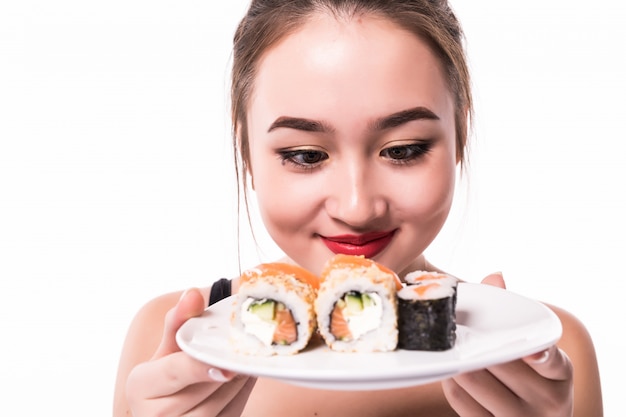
(356, 305)
(417, 277)
(274, 310)
(424, 277)
(426, 316)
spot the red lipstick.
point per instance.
(367, 244)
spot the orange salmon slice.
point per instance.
(338, 324)
(357, 261)
(278, 268)
(286, 332)
(421, 289)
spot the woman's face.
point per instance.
(352, 142)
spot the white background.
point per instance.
(116, 182)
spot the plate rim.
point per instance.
(412, 376)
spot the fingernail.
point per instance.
(183, 294)
(501, 275)
(217, 375)
(539, 357)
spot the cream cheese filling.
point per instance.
(254, 325)
(365, 320)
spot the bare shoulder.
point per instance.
(567, 318)
(577, 343)
(148, 322)
(575, 334)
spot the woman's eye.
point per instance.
(303, 158)
(405, 153)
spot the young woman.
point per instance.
(350, 118)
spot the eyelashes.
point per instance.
(406, 154)
(308, 159)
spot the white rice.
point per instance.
(295, 295)
(363, 280)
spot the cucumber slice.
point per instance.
(368, 301)
(264, 309)
(354, 303)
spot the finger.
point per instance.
(489, 392)
(551, 363)
(170, 375)
(235, 406)
(229, 400)
(520, 379)
(183, 401)
(534, 391)
(461, 401)
(496, 279)
(188, 401)
(191, 304)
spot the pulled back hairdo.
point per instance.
(269, 21)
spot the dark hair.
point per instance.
(268, 21)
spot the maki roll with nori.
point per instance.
(426, 316)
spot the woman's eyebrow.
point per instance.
(402, 117)
(386, 122)
(299, 123)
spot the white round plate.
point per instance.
(493, 326)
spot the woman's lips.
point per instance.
(368, 244)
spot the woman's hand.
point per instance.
(537, 385)
(174, 384)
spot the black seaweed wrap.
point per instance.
(221, 289)
(426, 324)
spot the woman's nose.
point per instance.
(355, 197)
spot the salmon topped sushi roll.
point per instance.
(417, 277)
(356, 305)
(274, 310)
(427, 277)
(427, 316)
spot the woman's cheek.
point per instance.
(425, 187)
(283, 204)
